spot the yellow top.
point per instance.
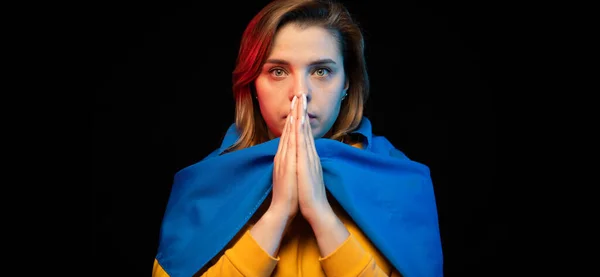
(298, 254)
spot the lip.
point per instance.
(309, 116)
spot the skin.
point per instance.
(302, 61)
(300, 101)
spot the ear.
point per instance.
(347, 84)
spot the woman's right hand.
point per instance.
(272, 225)
(285, 192)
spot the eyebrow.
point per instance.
(317, 62)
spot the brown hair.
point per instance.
(256, 45)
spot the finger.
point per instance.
(316, 161)
(291, 144)
(311, 140)
(298, 114)
(301, 136)
(282, 137)
(307, 133)
(304, 109)
(310, 143)
(289, 123)
(285, 136)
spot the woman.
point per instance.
(300, 186)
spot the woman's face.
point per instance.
(302, 61)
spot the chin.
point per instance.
(316, 133)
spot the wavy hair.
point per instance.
(256, 44)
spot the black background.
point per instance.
(163, 100)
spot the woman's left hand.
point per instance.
(312, 197)
(329, 231)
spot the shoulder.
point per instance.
(382, 145)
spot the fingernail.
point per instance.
(291, 119)
(304, 103)
(293, 103)
(302, 121)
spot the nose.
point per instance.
(301, 86)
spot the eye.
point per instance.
(322, 72)
(277, 72)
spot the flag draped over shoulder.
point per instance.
(389, 196)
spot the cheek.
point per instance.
(261, 86)
(334, 88)
(271, 101)
(333, 111)
(330, 103)
(332, 97)
(266, 88)
(268, 98)
(270, 114)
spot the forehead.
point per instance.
(296, 44)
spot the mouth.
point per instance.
(310, 115)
